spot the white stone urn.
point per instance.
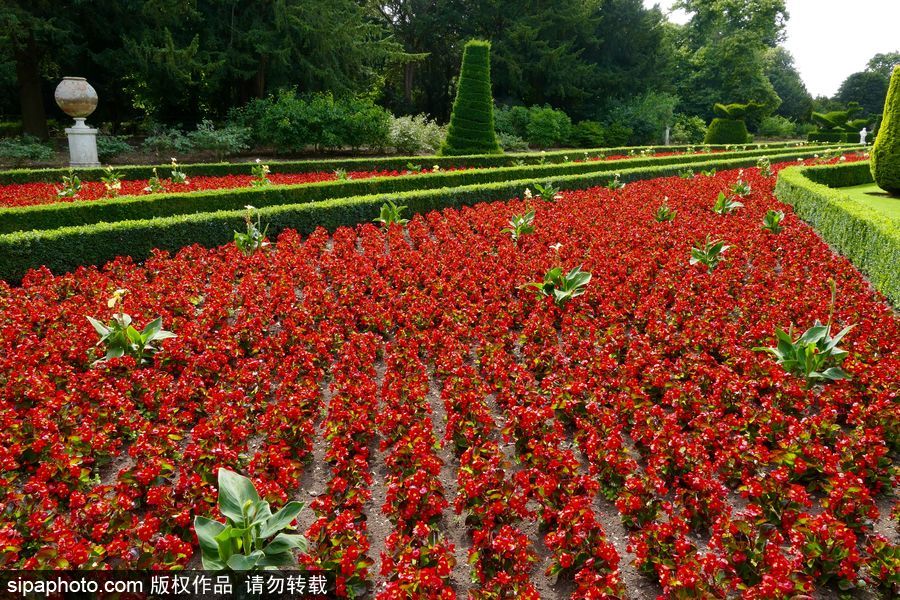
(76, 98)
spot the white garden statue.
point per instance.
(862, 136)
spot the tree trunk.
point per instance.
(408, 80)
(259, 82)
(28, 74)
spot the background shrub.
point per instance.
(168, 141)
(290, 123)
(687, 130)
(471, 129)
(512, 143)
(512, 121)
(548, 127)
(616, 134)
(777, 126)
(415, 135)
(110, 146)
(25, 148)
(587, 134)
(647, 117)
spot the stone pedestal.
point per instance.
(82, 145)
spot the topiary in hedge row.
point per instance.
(886, 152)
(729, 127)
(471, 128)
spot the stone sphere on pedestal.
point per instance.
(76, 98)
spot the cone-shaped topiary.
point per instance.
(471, 128)
(886, 152)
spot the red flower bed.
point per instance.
(29, 194)
(416, 353)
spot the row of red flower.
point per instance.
(30, 194)
(729, 474)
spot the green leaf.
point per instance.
(152, 328)
(281, 519)
(234, 491)
(814, 334)
(283, 559)
(833, 342)
(239, 562)
(835, 373)
(114, 352)
(206, 531)
(99, 327)
(162, 335)
(284, 542)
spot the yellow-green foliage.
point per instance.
(886, 152)
(471, 128)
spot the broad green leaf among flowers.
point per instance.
(252, 537)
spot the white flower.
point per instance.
(555, 247)
(528, 194)
(842, 158)
(250, 207)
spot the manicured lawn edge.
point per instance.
(64, 249)
(130, 208)
(389, 163)
(869, 239)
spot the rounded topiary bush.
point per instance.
(727, 131)
(471, 128)
(886, 152)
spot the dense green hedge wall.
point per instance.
(868, 238)
(886, 152)
(471, 129)
(67, 214)
(380, 163)
(66, 248)
(834, 137)
(727, 131)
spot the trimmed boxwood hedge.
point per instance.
(869, 239)
(64, 249)
(378, 163)
(126, 208)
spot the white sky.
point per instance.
(830, 39)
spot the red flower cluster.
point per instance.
(30, 194)
(390, 349)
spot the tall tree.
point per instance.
(866, 87)
(31, 33)
(723, 50)
(884, 64)
(796, 101)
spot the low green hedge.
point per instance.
(64, 249)
(129, 208)
(837, 137)
(869, 239)
(391, 163)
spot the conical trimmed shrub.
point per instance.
(471, 128)
(886, 152)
